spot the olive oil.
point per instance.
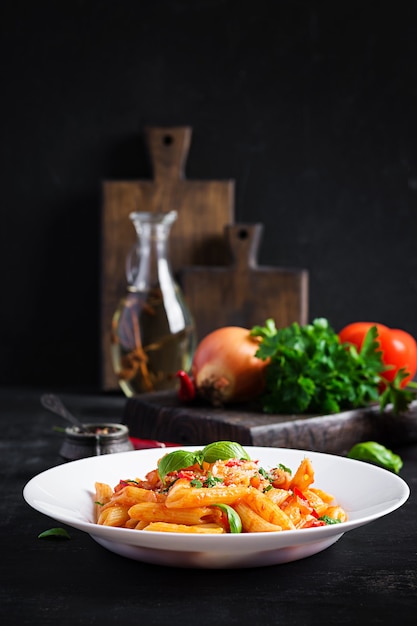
(153, 334)
(148, 348)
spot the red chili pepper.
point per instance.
(187, 389)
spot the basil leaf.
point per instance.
(234, 521)
(284, 468)
(55, 532)
(212, 481)
(219, 450)
(376, 453)
(223, 450)
(329, 520)
(176, 460)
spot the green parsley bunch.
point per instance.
(311, 371)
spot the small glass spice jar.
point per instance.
(95, 440)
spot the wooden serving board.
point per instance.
(159, 416)
(244, 293)
(197, 237)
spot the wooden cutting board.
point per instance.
(204, 207)
(160, 416)
(244, 293)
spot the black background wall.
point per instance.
(310, 106)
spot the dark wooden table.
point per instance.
(368, 576)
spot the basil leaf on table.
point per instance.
(376, 453)
(60, 533)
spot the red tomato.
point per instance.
(355, 332)
(398, 347)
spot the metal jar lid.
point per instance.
(97, 439)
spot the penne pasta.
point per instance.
(158, 512)
(267, 510)
(114, 516)
(232, 495)
(336, 512)
(183, 495)
(304, 476)
(316, 501)
(323, 495)
(252, 522)
(278, 496)
(182, 528)
(104, 494)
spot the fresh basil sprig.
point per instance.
(217, 451)
(329, 520)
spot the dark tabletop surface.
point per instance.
(368, 576)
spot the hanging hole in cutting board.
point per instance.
(168, 140)
(243, 233)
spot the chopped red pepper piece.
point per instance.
(314, 523)
(234, 462)
(297, 492)
(187, 474)
(187, 389)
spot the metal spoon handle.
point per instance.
(55, 405)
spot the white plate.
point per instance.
(66, 494)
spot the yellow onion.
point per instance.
(225, 368)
